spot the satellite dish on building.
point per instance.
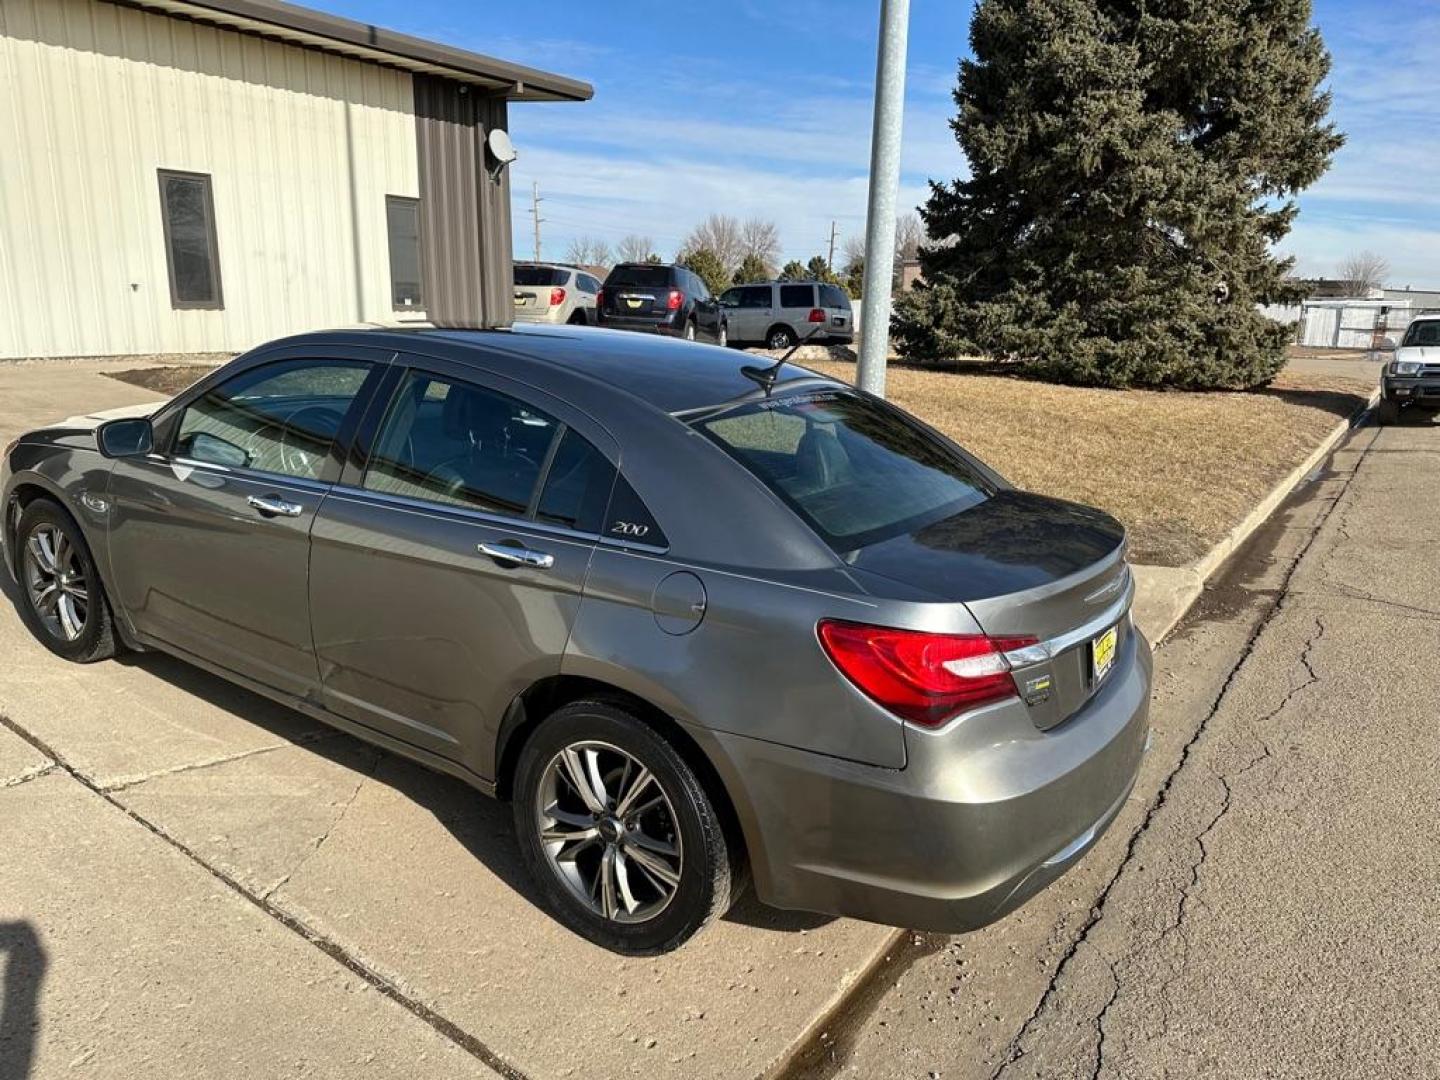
(501, 149)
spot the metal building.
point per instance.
(202, 175)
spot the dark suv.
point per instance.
(661, 299)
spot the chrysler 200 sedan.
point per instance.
(702, 623)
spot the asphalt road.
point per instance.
(1269, 905)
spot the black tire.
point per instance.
(688, 333)
(709, 873)
(779, 337)
(578, 318)
(1387, 412)
(723, 338)
(96, 639)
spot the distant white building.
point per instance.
(203, 175)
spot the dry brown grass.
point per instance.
(1179, 469)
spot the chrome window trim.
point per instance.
(1048, 650)
(429, 508)
(249, 476)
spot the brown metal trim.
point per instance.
(510, 80)
(218, 303)
(466, 271)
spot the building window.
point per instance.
(402, 222)
(188, 211)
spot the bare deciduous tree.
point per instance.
(909, 235)
(1362, 271)
(852, 252)
(589, 251)
(720, 234)
(760, 239)
(635, 248)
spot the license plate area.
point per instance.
(1102, 655)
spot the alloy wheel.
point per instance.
(609, 831)
(55, 580)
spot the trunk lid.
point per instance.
(637, 292)
(1025, 565)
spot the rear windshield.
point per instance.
(539, 275)
(646, 277)
(856, 471)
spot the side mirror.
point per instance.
(125, 438)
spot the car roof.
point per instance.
(579, 364)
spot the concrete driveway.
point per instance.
(197, 883)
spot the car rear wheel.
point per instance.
(690, 330)
(780, 337)
(618, 831)
(63, 602)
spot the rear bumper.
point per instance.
(670, 325)
(1422, 390)
(985, 814)
(536, 315)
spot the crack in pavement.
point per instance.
(29, 774)
(442, 1025)
(128, 782)
(368, 774)
(1015, 1049)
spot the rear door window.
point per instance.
(755, 296)
(452, 442)
(577, 486)
(797, 296)
(856, 471)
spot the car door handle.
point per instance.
(273, 505)
(514, 553)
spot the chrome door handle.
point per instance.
(272, 505)
(516, 554)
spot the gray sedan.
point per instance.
(700, 621)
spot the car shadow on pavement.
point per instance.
(22, 963)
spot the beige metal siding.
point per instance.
(302, 148)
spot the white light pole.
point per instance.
(884, 186)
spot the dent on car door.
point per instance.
(448, 569)
(209, 538)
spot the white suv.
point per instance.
(1411, 379)
(549, 293)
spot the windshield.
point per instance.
(539, 275)
(1422, 332)
(856, 471)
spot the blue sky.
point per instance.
(754, 108)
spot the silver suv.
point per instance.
(780, 313)
(549, 293)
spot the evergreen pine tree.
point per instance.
(1131, 165)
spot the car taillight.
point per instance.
(923, 678)
(817, 314)
(557, 296)
(675, 299)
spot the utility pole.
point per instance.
(884, 186)
(830, 258)
(535, 202)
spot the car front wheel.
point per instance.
(63, 600)
(723, 339)
(618, 831)
(690, 330)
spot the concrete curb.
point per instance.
(1164, 593)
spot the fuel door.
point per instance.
(679, 603)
